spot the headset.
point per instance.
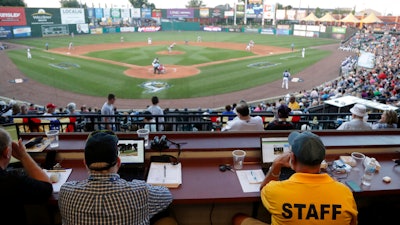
(162, 144)
(159, 143)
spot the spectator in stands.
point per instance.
(243, 121)
(50, 112)
(293, 104)
(32, 109)
(149, 122)
(18, 190)
(156, 110)
(107, 110)
(358, 113)
(388, 119)
(71, 107)
(228, 112)
(23, 110)
(105, 198)
(281, 123)
(303, 199)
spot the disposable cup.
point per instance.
(52, 137)
(144, 133)
(238, 158)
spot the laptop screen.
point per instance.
(131, 151)
(272, 147)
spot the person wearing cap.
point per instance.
(358, 114)
(281, 123)
(20, 189)
(308, 196)
(105, 198)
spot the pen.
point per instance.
(56, 170)
(165, 171)
(252, 174)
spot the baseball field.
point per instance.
(100, 64)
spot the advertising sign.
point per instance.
(5, 32)
(115, 13)
(254, 9)
(106, 13)
(269, 11)
(339, 30)
(146, 13)
(180, 13)
(135, 12)
(125, 13)
(204, 13)
(43, 16)
(12, 16)
(98, 13)
(72, 15)
(22, 31)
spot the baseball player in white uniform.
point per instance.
(285, 80)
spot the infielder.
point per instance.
(28, 53)
(285, 80)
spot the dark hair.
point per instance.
(111, 96)
(283, 111)
(243, 109)
(154, 100)
(228, 107)
(147, 115)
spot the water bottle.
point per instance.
(368, 173)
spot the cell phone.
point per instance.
(353, 185)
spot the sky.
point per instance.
(383, 6)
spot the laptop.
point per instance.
(15, 165)
(272, 147)
(132, 155)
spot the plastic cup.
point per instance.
(358, 157)
(52, 137)
(238, 159)
(144, 133)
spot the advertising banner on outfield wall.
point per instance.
(23, 31)
(106, 13)
(180, 13)
(72, 15)
(41, 16)
(12, 16)
(5, 32)
(204, 13)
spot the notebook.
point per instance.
(272, 147)
(132, 155)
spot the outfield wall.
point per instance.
(20, 22)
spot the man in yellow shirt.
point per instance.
(293, 104)
(308, 196)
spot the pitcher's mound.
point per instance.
(170, 53)
(171, 72)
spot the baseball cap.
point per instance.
(101, 147)
(283, 111)
(51, 105)
(307, 147)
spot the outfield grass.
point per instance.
(98, 79)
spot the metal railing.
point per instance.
(174, 121)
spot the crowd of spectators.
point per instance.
(380, 83)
